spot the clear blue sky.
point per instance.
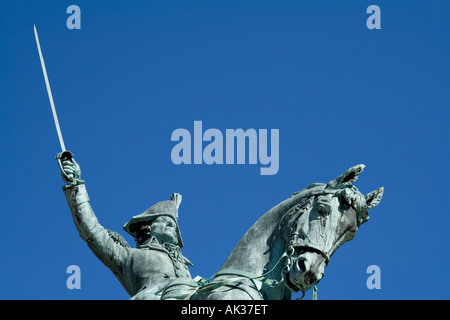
(339, 93)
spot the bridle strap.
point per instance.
(262, 278)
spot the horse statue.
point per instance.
(285, 251)
(288, 248)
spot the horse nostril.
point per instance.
(301, 264)
(310, 278)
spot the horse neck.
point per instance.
(252, 252)
(263, 244)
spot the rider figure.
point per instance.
(155, 269)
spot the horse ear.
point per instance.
(349, 176)
(176, 197)
(373, 198)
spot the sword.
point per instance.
(64, 154)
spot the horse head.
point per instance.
(288, 248)
(327, 216)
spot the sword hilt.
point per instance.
(62, 156)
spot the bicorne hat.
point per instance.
(164, 208)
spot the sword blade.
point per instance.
(49, 91)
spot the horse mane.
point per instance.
(345, 190)
(297, 210)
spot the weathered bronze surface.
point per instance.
(285, 251)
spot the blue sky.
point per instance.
(339, 94)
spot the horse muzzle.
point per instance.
(307, 268)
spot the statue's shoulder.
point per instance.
(118, 239)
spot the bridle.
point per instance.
(289, 255)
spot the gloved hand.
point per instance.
(71, 169)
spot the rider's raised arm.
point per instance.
(110, 248)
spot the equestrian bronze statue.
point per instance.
(285, 251)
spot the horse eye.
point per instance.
(322, 210)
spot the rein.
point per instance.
(262, 278)
(207, 286)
